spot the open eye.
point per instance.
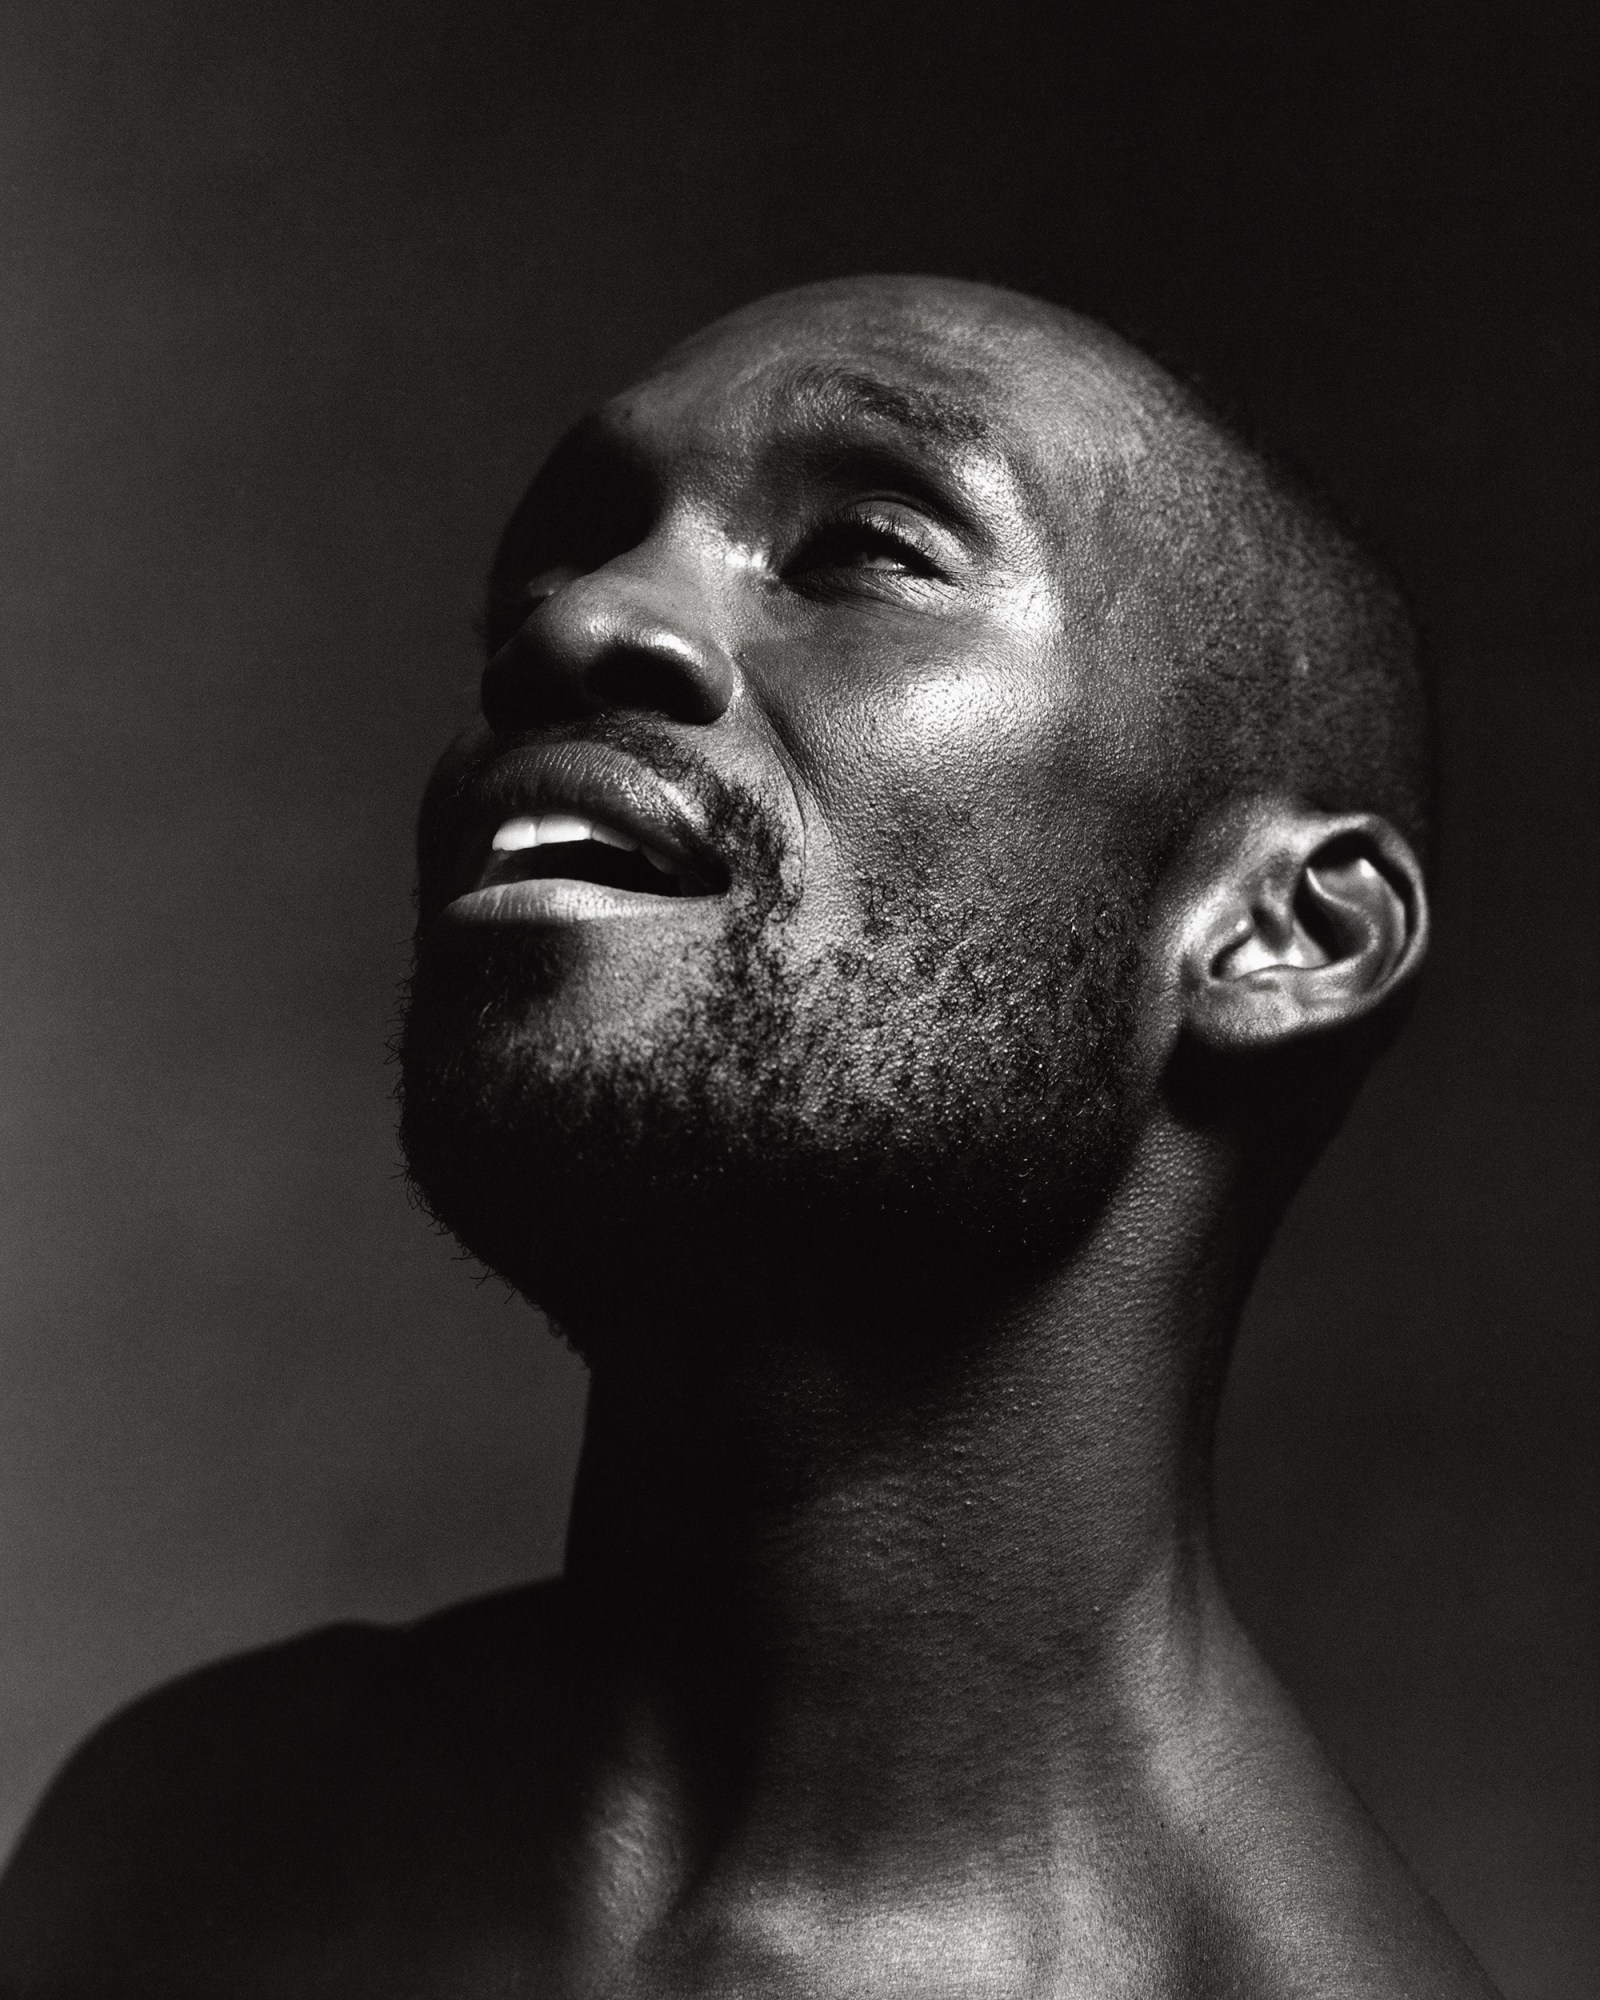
(866, 541)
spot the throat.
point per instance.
(939, 1573)
(890, 1613)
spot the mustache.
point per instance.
(737, 819)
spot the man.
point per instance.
(940, 852)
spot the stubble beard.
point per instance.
(945, 1101)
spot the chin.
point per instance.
(841, 1125)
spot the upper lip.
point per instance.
(598, 783)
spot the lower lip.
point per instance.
(556, 899)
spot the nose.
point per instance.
(633, 634)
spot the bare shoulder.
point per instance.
(225, 1820)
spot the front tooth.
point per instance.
(555, 827)
(540, 830)
(515, 835)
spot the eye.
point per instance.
(507, 610)
(867, 541)
(545, 584)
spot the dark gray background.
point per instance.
(294, 298)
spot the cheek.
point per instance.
(985, 784)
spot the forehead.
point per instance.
(1043, 402)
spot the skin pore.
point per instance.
(901, 1183)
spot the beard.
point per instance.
(944, 1101)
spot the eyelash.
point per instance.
(839, 544)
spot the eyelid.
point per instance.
(893, 516)
(890, 510)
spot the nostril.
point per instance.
(664, 676)
(586, 649)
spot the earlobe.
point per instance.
(1306, 922)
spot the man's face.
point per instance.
(787, 903)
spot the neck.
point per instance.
(885, 1583)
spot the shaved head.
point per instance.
(1295, 661)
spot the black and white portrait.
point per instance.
(800, 1001)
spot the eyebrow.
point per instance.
(830, 396)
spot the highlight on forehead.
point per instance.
(958, 360)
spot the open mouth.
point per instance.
(568, 847)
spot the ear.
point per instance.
(1306, 922)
